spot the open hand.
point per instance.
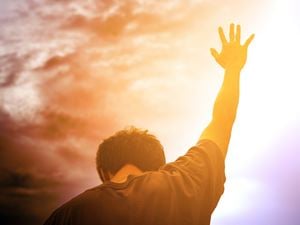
(233, 55)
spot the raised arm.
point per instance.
(232, 58)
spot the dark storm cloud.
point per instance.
(22, 196)
(19, 187)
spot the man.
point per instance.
(139, 188)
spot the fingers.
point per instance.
(249, 40)
(232, 36)
(238, 33)
(231, 33)
(214, 53)
(222, 36)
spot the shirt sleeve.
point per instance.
(202, 170)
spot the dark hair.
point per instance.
(133, 146)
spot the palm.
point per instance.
(233, 55)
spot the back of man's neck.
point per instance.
(124, 172)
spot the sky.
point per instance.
(74, 72)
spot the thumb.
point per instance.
(214, 53)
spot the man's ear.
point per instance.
(104, 176)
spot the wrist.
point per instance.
(235, 70)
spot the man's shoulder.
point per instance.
(204, 151)
(81, 202)
(85, 197)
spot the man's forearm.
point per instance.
(226, 103)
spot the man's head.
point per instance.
(129, 146)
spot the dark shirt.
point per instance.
(184, 192)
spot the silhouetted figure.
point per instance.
(140, 189)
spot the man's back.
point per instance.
(183, 192)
